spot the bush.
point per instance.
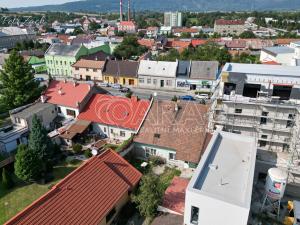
(129, 94)
(174, 99)
(88, 153)
(7, 181)
(77, 148)
(156, 160)
(74, 161)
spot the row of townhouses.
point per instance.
(80, 63)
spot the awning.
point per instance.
(78, 127)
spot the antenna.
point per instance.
(121, 11)
(128, 10)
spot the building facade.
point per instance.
(10, 36)
(88, 70)
(229, 27)
(157, 74)
(262, 101)
(173, 19)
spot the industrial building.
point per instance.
(262, 101)
(10, 36)
(221, 188)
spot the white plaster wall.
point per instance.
(64, 111)
(105, 129)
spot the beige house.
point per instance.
(85, 69)
(229, 27)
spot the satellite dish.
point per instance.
(94, 152)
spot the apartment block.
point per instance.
(262, 101)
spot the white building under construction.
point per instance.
(262, 101)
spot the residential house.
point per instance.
(187, 31)
(174, 131)
(92, 194)
(229, 27)
(152, 32)
(179, 45)
(121, 72)
(89, 70)
(223, 181)
(11, 136)
(45, 112)
(115, 117)
(60, 58)
(69, 97)
(157, 74)
(197, 75)
(10, 36)
(127, 26)
(38, 64)
(165, 30)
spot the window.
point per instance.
(58, 109)
(263, 120)
(238, 110)
(88, 78)
(169, 83)
(122, 133)
(141, 80)
(87, 69)
(148, 81)
(71, 113)
(154, 81)
(251, 90)
(265, 113)
(264, 136)
(65, 63)
(110, 215)
(76, 68)
(291, 116)
(194, 215)
(150, 151)
(282, 91)
(112, 131)
(104, 129)
(17, 120)
(289, 123)
(61, 63)
(94, 70)
(172, 156)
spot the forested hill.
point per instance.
(164, 5)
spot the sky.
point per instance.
(24, 3)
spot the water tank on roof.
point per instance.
(276, 183)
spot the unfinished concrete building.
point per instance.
(262, 101)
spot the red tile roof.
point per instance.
(115, 111)
(85, 196)
(66, 93)
(197, 42)
(149, 43)
(185, 30)
(174, 197)
(270, 63)
(229, 22)
(127, 23)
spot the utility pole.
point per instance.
(121, 10)
(128, 10)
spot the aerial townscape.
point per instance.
(126, 112)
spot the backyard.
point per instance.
(22, 195)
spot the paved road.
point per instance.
(145, 93)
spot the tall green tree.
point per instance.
(41, 144)
(17, 84)
(7, 181)
(28, 165)
(149, 195)
(128, 48)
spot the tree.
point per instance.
(7, 182)
(149, 195)
(247, 34)
(17, 84)
(94, 26)
(128, 48)
(28, 165)
(41, 144)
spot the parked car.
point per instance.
(124, 90)
(116, 86)
(187, 98)
(103, 84)
(39, 79)
(202, 96)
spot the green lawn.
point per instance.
(13, 201)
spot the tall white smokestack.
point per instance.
(128, 10)
(121, 10)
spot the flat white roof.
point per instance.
(226, 169)
(274, 70)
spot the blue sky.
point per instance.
(21, 3)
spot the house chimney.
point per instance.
(65, 81)
(43, 98)
(121, 10)
(77, 104)
(60, 92)
(128, 10)
(176, 107)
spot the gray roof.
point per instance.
(183, 69)
(228, 159)
(207, 70)
(63, 49)
(279, 50)
(29, 110)
(261, 69)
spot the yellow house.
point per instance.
(121, 72)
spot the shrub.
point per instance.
(77, 148)
(7, 181)
(88, 153)
(174, 99)
(129, 94)
(74, 161)
(156, 160)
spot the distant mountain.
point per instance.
(164, 5)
